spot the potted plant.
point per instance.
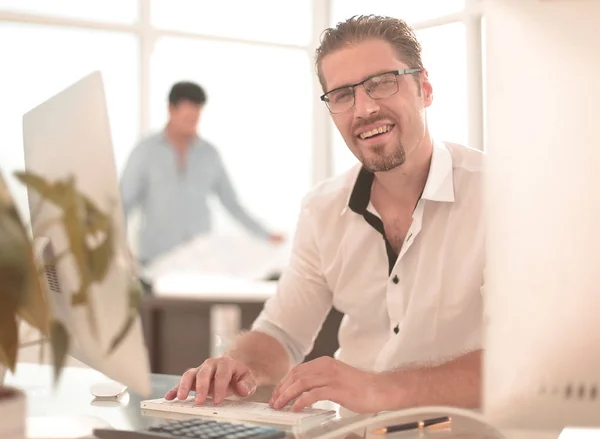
(22, 296)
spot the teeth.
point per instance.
(374, 131)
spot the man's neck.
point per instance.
(404, 184)
(180, 142)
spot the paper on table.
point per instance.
(241, 256)
(213, 287)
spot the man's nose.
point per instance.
(364, 105)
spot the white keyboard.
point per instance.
(237, 410)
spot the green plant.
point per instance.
(91, 239)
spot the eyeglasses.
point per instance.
(378, 86)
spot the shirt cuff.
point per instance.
(293, 349)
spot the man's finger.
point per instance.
(186, 383)
(293, 374)
(298, 387)
(245, 385)
(314, 367)
(171, 394)
(315, 395)
(223, 375)
(204, 379)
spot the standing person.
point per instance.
(170, 175)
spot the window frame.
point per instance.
(322, 145)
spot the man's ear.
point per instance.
(427, 88)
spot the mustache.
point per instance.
(372, 120)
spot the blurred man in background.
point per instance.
(170, 175)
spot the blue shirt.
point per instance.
(173, 201)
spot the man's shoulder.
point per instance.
(206, 146)
(468, 166)
(332, 192)
(466, 159)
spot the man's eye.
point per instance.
(383, 81)
(341, 96)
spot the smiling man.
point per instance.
(396, 244)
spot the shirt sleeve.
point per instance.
(226, 193)
(295, 314)
(133, 184)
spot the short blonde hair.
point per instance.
(361, 28)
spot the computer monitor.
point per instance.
(68, 137)
(542, 294)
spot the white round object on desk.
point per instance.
(107, 389)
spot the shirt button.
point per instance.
(395, 279)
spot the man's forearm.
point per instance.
(266, 357)
(455, 383)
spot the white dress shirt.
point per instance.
(423, 306)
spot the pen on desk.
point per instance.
(414, 425)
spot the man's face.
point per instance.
(402, 114)
(184, 117)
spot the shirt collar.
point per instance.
(165, 140)
(438, 187)
(440, 181)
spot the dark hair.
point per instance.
(187, 91)
(361, 28)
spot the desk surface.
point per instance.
(71, 397)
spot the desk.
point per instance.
(72, 397)
(177, 319)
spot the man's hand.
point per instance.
(218, 377)
(329, 379)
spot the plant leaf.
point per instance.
(15, 260)
(4, 361)
(98, 223)
(9, 337)
(136, 293)
(59, 340)
(18, 273)
(135, 300)
(54, 192)
(35, 310)
(122, 334)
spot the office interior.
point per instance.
(263, 114)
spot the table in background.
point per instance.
(177, 319)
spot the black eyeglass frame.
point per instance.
(324, 97)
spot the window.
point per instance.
(32, 72)
(444, 56)
(258, 115)
(113, 11)
(408, 10)
(275, 21)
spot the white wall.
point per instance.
(543, 278)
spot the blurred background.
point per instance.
(255, 61)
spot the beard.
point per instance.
(377, 160)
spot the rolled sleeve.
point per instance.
(295, 314)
